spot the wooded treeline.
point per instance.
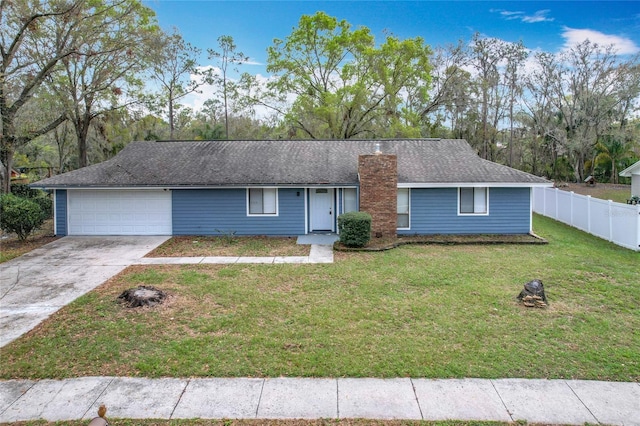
(81, 79)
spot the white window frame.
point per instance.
(344, 198)
(276, 201)
(486, 201)
(408, 208)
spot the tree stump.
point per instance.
(533, 295)
(142, 296)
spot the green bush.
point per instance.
(25, 191)
(355, 228)
(19, 215)
(36, 195)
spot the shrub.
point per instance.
(36, 195)
(19, 215)
(355, 228)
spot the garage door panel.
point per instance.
(119, 212)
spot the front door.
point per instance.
(322, 209)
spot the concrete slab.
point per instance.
(323, 239)
(610, 402)
(254, 259)
(95, 250)
(542, 401)
(291, 259)
(220, 399)
(10, 392)
(321, 254)
(220, 259)
(135, 398)
(14, 322)
(377, 399)
(459, 399)
(169, 260)
(54, 400)
(298, 398)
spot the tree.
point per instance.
(101, 74)
(63, 43)
(586, 82)
(19, 215)
(486, 56)
(176, 60)
(226, 56)
(34, 37)
(612, 152)
(342, 85)
(515, 55)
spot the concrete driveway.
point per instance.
(37, 284)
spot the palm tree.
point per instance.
(612, 151)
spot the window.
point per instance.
(403, 208)
(262, 201)
(350, 201)
(473, 201)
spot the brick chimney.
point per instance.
(379, 192)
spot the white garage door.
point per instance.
(123, 212)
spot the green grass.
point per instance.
(420, 311)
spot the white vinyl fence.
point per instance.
(615, 222)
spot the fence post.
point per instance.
(571, 208)
(610, 214)
(638, 218)
(555, 215)
(589, 213)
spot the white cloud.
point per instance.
(538, 16)
(622, 45)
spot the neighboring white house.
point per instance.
(633, 172)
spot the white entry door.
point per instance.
(322, 209)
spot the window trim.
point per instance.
(409, 209)
(486, 200)
(248, 202)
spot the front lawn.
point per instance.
(229, 245)
(421, 311)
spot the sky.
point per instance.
(541, 25)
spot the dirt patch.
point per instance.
(378, 244)
(604, 191)
(11, 247)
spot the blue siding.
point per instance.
(219, 211)
(435, 211)
(61, 212)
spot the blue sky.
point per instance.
(546, 26)
(541, 25)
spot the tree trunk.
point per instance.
(7, 165)
(82, 130)
(171, 121)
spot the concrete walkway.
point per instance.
(507, 400)
(317, 254)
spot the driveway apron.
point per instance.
(37, 284)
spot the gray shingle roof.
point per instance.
(307, 162)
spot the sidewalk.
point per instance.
(317, 254)
(507, 400)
